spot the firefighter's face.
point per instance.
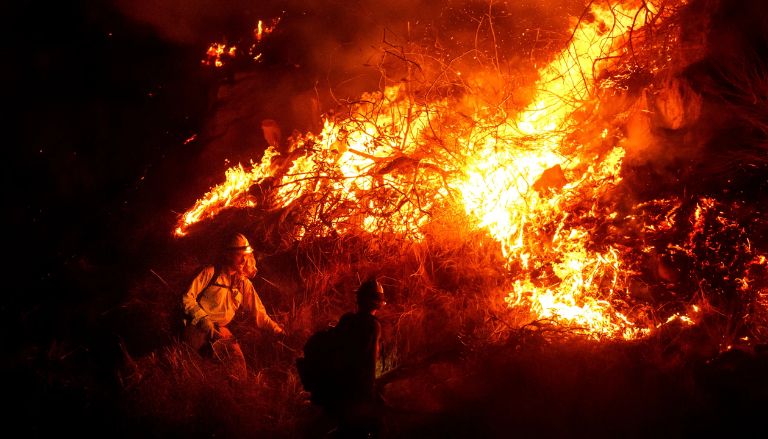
(237, 260)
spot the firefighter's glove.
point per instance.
(207, 326)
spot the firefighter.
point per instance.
(356, 403)
(216, 295)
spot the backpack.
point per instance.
(325, 363)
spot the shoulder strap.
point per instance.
(216, 271)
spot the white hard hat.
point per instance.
(239, 243)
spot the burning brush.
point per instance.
(544, 182)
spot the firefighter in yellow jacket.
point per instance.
(216, 294)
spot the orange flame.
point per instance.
(499, 188)
(228, 194)
(216, 54)
(512, 175)
(262, 30)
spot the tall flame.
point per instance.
(398, 158)
(498, 187)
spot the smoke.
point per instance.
(337, 38)
(322, 54)
(699, 124)
(731, 78)
(189, 22)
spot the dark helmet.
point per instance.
(370, 294)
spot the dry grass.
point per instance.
(454, 357)
(440, 297)
(446, 332)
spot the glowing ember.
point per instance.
(218, 54)
(262, 29)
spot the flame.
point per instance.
(216, 54)
(259, 31)
(263, 30)
(227, 194)
(516, 175)
(219, 54)
(499, 185)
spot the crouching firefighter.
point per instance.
(217, 294)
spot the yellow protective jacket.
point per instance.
(223, 298)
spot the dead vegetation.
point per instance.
(456, 359)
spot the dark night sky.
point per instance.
(100, 107)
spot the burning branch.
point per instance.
(543, 180)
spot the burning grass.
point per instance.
(542, 176)
(454, 357)
(510, 232)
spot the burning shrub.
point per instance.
(496, 221)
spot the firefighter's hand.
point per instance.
(281, 338)
(207, 326)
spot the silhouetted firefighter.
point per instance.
(339, 366)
